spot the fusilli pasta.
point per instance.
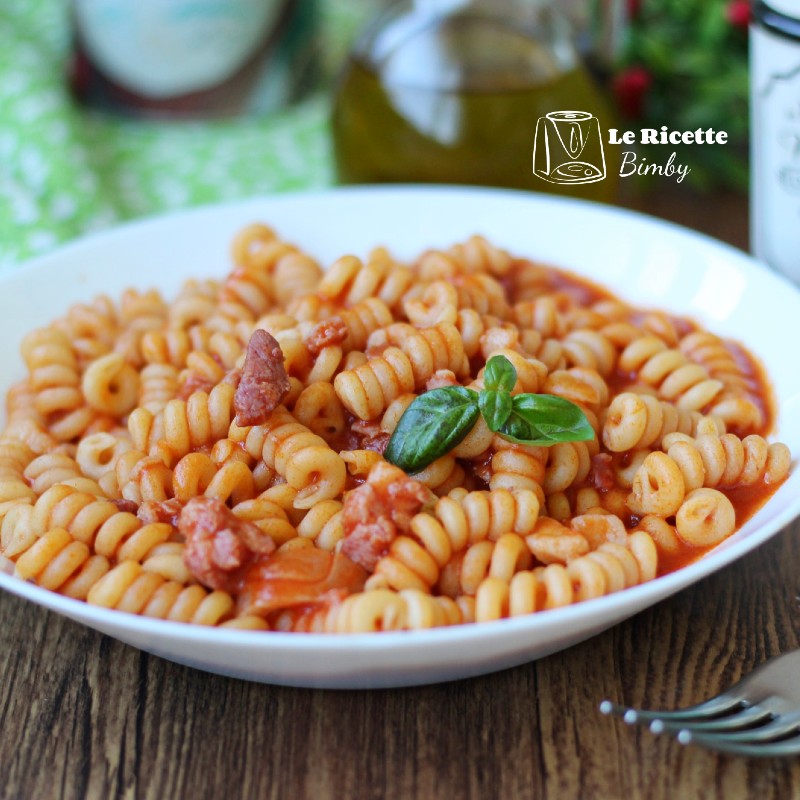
(156, 461)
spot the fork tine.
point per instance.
(727, 744)
(758, 716)
(747, 717)
(780, 727)
(715, 707)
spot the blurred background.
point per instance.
(115, 109)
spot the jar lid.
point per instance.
(789, 8)
(779, 16)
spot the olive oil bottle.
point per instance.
(451, 92)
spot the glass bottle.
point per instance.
(452, 91)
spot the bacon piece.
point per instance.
(601, 475)
(164, 511)
(219, 545)
(378, 510)
(264, 381)
(329, 332)
(126, 505)
(377, 443)
(366, 435)
(297, 577)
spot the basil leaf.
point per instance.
(499, 375)
(544, 419)
(495, 407)
(516, 429)
(432, 426)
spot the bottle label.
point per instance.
(166, 48)
(775, 135)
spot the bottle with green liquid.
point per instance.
(453, 91)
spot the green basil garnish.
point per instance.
(544, 419)
(432, 426)
(437, 421)
(499, 374)
(495, 407)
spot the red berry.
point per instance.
(737, 13)
(630, 88)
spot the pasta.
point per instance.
(221, 459)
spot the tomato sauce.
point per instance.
(747, 500)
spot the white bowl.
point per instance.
(646, 261)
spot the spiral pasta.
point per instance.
(415, 560)
(304, 459)
(738, 401)
(171, 346)
(367, 390)
(710, 461)
(636, 421)
(24, 423)
(610, 568)
(350, 281)
(129, 587)
(467, 570)
(52, 468)
(61, 563)
(378, 610)
(184, 424)
(668, 369)
(219, 459)
(56, 382)
(15, 456)
(157, 386)
(728, 461)
(477, 254)
(194, 305)
(361, 320)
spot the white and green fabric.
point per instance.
(65, 171)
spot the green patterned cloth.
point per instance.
(65, 171)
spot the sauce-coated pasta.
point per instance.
(219, 459)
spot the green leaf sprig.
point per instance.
(437, 421)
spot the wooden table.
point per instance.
(82, 715)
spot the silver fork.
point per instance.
(758, 716)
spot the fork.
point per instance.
(758, 716)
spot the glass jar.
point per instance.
(451, 91)
(191, 58)
(775, 135)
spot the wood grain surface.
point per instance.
(82, 715)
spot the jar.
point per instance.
(775, 134)
(191, 58)
(452, 91)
